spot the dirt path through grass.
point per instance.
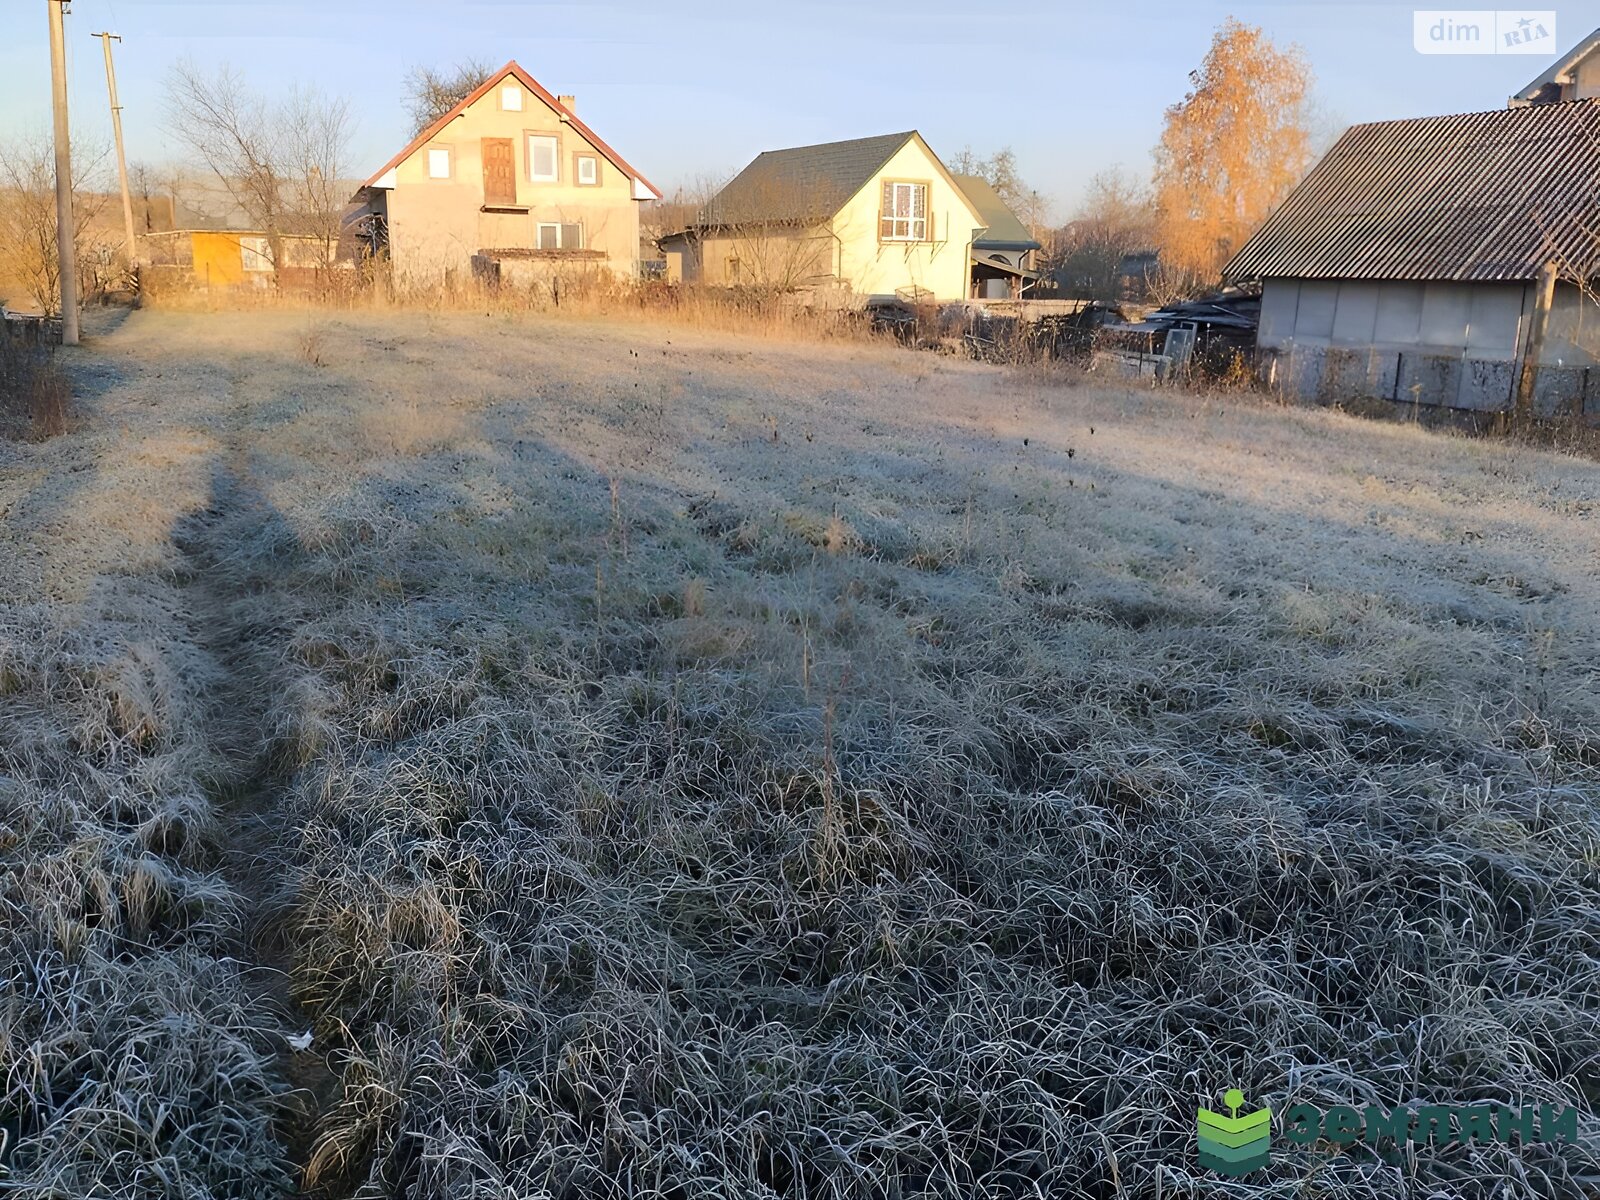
(244, 645)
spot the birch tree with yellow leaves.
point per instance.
(1231, 150)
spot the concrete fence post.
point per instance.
(1533, 352)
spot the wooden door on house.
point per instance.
(499, 172)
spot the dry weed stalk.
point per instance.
(35, 392)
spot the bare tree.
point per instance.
(28, 222)
(680, 210)
(1001, 173)
(230, 128)
(1572, 247)
(281, 164)
(154, 190)
(430, 93)
(317, 136)
(1114, 220)
(773, 234)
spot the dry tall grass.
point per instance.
(582, 297)
(704, 767)
(34, 391)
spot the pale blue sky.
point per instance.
(690, 90)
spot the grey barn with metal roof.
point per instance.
(1404, 264)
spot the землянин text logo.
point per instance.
(1236, 1145)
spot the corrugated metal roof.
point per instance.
(802, 183)
(1004, 231)
(1470, 197)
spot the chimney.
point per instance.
(570, 103)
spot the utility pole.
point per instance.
(65, 248)
(122, 159)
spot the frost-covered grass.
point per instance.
(676, 765)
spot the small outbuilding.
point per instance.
(200, 235)
(1408, 263)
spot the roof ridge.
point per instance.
(871, 137)
(1477, 112)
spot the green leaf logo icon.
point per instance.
(1234, 1145)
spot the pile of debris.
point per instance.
(1064, 330)
(1209, 334)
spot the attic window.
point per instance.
(511, 98)
(439, 162)
(905, 213)
(588, 170)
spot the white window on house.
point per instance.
(439, 164)
(511, 97)
(559, 235)
(256, 253)
(543, 151)
(905, 212)
(588, 170)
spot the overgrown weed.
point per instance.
(35, 393)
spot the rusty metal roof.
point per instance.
(1469, 197)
